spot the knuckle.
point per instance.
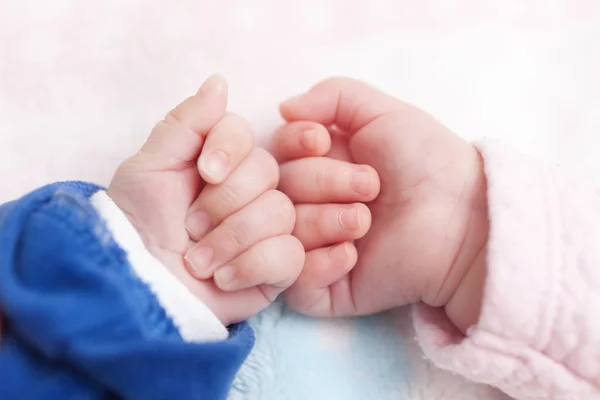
(237, 120)
(283, 208)
(323, 181)
(236, 237)
(175, 118)
(243, 129)
(297, 252)
(291, 254)
(228, 196)
(264, 258)
(268, 166)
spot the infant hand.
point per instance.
(199, 178)
(429, 222)
(330, 193)
(243, 230)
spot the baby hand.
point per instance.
(199, 190)
(330, 195)
(429, 222)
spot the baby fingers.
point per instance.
(275, 262)
(319, 225)
(300, 139)
(325, 180)
(270, 215)
(228, 143)
(323, 288)
(258, 173)
(178, 138)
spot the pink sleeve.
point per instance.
(538, 336)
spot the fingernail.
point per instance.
(224, 275)
(199, 259)
(215, 164)
(198, 224)
(362, 183)
(349, 218)
(309, 139)
(215, 84)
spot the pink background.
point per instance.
(82, 83)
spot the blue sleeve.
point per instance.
(81, 325)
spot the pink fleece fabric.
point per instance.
(538, 336)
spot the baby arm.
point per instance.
(91, 312)
(536, 336)
(478, 237)
(98, 297)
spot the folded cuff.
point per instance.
(194, 320)
(523, 265)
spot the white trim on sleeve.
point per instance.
(195, 321)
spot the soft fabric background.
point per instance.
(82, 83)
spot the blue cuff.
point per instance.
(80, 322)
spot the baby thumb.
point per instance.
(348, 103)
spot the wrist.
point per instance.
(461, 289)
(464, 303)
(464, 306)
(193, 318)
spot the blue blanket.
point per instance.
(303, 358)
